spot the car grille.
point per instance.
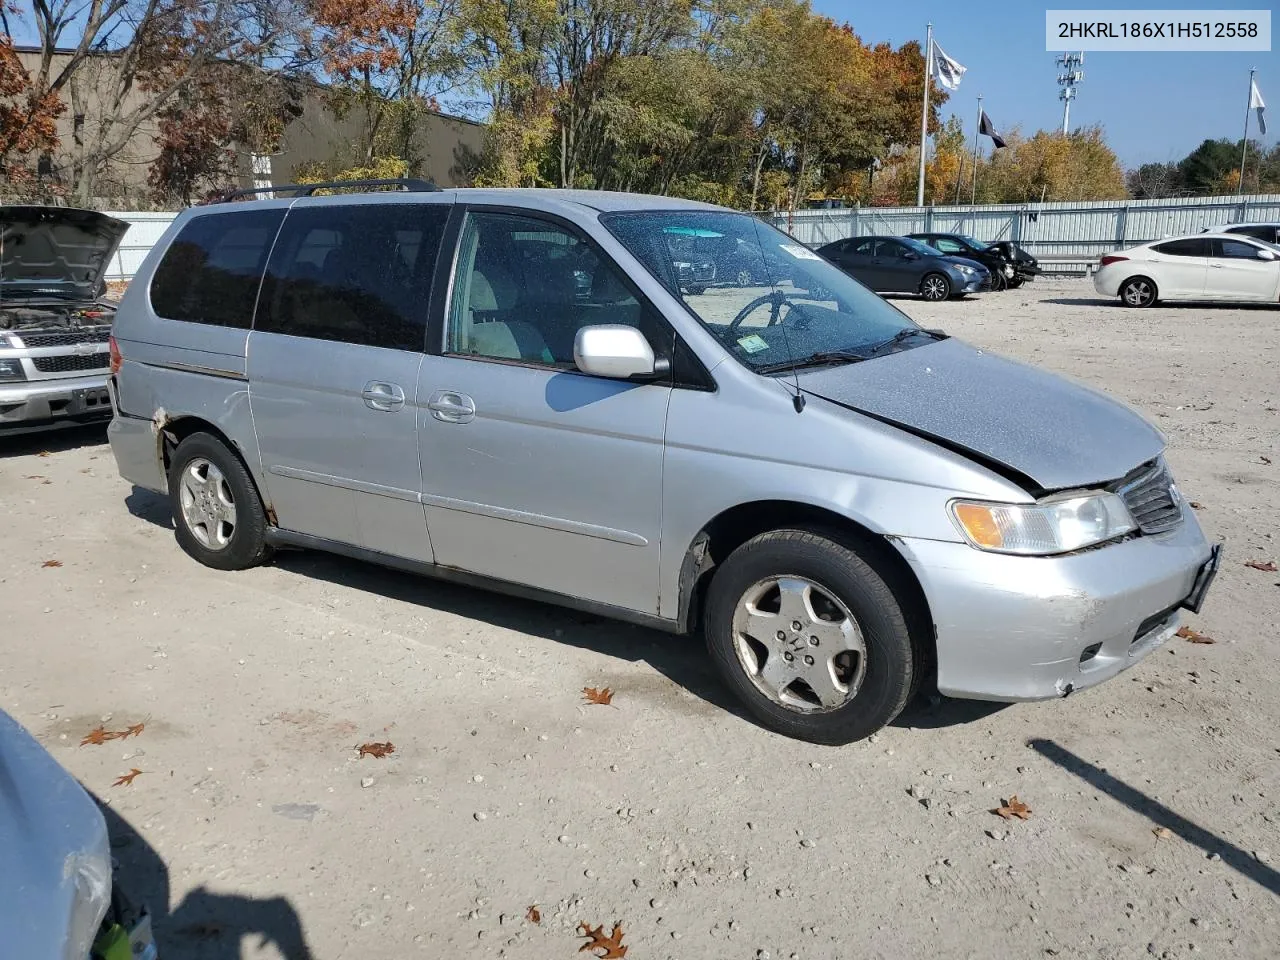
(94, 361)
(1149, 494)
(65, 339)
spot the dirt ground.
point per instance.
(255, 831)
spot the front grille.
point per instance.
(94, 361)
(65, 339)
(1148, 493)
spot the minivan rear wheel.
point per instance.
(809, 637)
(218, 516)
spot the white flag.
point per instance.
(947, 71)
(1255, 103)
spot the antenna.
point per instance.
(1068, 77)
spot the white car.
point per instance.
(1208, 266)
(1269, 232)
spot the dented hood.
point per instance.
(1050, 430)
(55, 251)
(54, 852)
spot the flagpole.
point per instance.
(1244, 144)
(977, 142)
(924, 112)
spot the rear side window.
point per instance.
(211, 271)
(355, 274)
(1192, 247)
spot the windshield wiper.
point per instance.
(906, 333)
(814, 360)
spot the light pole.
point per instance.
(1067, 79)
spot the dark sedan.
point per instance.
(1010, 265)
(903, 265)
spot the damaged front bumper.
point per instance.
(1015, 628)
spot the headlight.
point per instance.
(966, 270)
(1048, 527)
(11, 369)
(90, 874)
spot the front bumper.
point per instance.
(972, 284)
(1032, 628)
(30, 405)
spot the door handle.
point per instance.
(1217, 266)
(387, 397)
(451, 407)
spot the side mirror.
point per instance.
(1265, 255)
(911, 255)
(613, 350)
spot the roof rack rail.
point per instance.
(408, 184)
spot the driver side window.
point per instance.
(523, 288)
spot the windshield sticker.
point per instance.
(799, 252)
(753, 344)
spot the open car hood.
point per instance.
(1034, 425)
(56, 251)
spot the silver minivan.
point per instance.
(518, 389)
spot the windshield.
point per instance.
(769, 299)
(920, 247)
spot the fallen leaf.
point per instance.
(1196, 505)
(51, 563)
(202, 931)
(596, 940)
(1163, 833)
(603, 697)
(1013, 807)
(126, 779)
(533, 914)
(1266, 566)
(1265, 461)
(33, 476)
(99, 736)
(1194, 636)
(131, 731)
(378, 750)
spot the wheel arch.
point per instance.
(176, 429)
(735, 525)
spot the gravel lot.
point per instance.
(255, 831)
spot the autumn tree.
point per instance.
(28, 117)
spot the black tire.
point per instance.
(837, 569)
(1016, 282)
(933, 290)
(246, 545)
(998, 281)
(1138, 292)
(697, 289)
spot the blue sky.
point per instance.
(1154, 106)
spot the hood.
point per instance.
(53, 842)
(951, 258)
(1056, 433)
(56, 251)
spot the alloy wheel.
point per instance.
(208, 507)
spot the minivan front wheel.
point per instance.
(217, 514)
(809, 637)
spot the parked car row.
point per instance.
(936, 266)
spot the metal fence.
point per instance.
(1065, 237)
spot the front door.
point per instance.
(897, 270)
(533, 473)
(333, 371)
(1236, 273)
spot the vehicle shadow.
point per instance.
(205, 925)
(53, 441)
(1140, 803)
(682, 660)
(1163, 304)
